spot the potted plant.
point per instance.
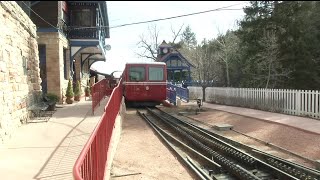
(77, 91)
(51, 99)
(87, 90)
(69, 93)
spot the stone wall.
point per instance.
(19, 67)
(55, 43)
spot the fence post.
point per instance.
(317, 104)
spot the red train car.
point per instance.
(144, 84)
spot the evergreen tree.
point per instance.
(69, 92)
(189, 38)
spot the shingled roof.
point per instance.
(175, 52)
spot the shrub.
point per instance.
(87, 89)
(69, 92)
(53, 97)
(77, 89)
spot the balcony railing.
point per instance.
(89, 33)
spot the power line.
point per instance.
(39, 15)
(142, 22)
(173, 17)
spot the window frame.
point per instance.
(140, 80)
(159, 67)
(80, 23)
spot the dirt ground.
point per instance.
(142, 155)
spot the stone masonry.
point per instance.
(55, 43)
(19, 67)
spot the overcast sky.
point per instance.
(123, 40)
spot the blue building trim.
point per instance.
(87, 58)
(180, 57)
(184, 65)
(178, 67)
(84, 43)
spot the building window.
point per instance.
(179, 62)
(168, 63)
(155, 73)
(82, 17)
(137, 74)
(174, 62)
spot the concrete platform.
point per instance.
(48, 150)
(223, 127)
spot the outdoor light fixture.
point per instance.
(107, 47)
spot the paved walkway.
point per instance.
(302, 123)
(48, 150)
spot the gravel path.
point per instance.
(141, 155)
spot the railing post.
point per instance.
(92, 98)
(99, 92)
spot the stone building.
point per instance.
(19, 66)
(72, 36)
(43, 45)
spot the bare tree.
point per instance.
(228, 46)
(176, 34)
(268, 62)
(150, 43)
(205, 60)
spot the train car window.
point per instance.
(137, 74)
(155, 73)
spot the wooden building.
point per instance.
(178, 67)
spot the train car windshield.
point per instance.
(137, 74)
(156, 74)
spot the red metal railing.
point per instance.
(98, 92)
(93, 158)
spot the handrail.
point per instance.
(98, 92)
(171, 95)
(93, 157)
(182, 93)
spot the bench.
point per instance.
(44, 108)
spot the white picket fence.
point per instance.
(195, 92)
(294, 102)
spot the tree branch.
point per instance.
(175, 35)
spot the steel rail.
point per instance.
(295, 169)
(192, 166)
(232, 166)
(224, 147)
(163, 132)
